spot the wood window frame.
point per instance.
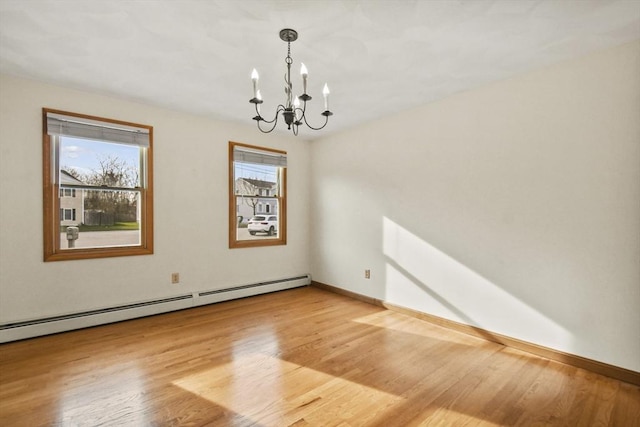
(51, 200)
(281, 239)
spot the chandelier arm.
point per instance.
(257, 117)
(274, 121)
(326, 120)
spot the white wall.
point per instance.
(191, 210)
(514, 207)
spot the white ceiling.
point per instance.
(378, 57)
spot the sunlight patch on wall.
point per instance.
(271, 391)
(421, 277)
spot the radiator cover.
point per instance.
(13, 331)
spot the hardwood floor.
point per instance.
(304, 357)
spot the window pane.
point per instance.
(108, 219)
(257, 196)
(253, 184)
(98, 163)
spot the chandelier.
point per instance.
(294, 114)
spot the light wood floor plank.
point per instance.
(303, 357)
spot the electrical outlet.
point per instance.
(175, 278)
(367, 274)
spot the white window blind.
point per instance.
(246, 155)
(78, 127)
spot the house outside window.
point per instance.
(70, 205)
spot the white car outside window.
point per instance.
(263, 224)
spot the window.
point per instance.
(257, 185)
(98, 192)
(67, 215)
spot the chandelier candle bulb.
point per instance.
(296, 108)
(305, 74)
(259, 98)
(325, 93)
(254, 79)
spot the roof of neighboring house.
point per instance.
(258, 183)
(67, 178)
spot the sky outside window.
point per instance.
(254, 171)
(84, 155)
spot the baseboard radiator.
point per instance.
(14, 331)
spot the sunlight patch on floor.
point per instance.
(271, 391)
(117, 392)
(399, 323)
